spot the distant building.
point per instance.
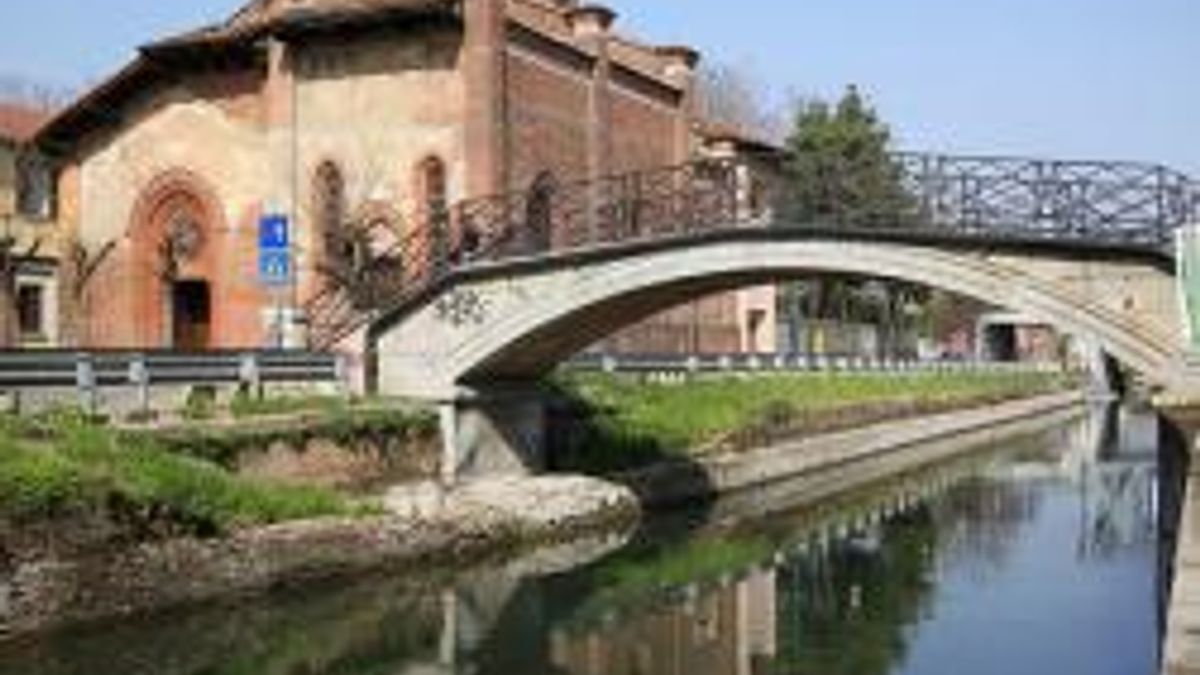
(28, 237)
(1004, 336)
(327, 110)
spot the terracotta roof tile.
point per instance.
(20, 122)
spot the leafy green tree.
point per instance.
(839, 173)
(839, 170)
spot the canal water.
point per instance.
(1039, 554)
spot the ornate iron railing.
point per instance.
(1118, 204)
(1114, 203)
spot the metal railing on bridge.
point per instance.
(994, 199)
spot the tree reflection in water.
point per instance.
(861, 592)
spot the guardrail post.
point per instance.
(341, 373)
(249, 375)
(139, 376)
(85, 382)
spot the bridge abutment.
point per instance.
(493, 432)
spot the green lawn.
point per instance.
(635, 421)
(61, 465)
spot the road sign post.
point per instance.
(275, 266)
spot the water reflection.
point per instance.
(1037, 556)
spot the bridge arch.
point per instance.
(518, 323)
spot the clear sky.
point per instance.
(1069, 78)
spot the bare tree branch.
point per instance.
(731, 96)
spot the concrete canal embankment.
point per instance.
(862, 454)
(1181, 642)
(475, 522)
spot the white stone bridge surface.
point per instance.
(515, 321)
(495, 292)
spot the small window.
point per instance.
(432, 176)
(329, 212)
(35, 186)
(29, 310)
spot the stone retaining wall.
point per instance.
(904, 444)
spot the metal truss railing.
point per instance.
(1115, 204)
(1107, 203)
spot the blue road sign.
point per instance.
(273, 232)
(275, 267)
(274, 250)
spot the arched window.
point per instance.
(539, 211)
(329, 197)
(329, 210)
(432, 187)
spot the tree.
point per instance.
(839, 173)
(78, 266)
(839, 170)
(731, 97)
(24, 91)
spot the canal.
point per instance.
(1038, 554)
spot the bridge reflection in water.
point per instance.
(1035, 556)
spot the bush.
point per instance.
(39, 483)
(201, 403)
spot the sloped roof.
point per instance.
(713, 131)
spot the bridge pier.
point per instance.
(1106, 378)
(493, 432)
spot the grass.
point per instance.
(63, 465)
(635, 422)
(245, 405)
(336, 421)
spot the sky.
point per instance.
(1086, 79)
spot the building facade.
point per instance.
(29, 241)
(329, 112)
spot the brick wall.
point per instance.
(547, 119)
(642, 132)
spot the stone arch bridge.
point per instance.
(498, 291)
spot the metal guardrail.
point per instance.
(750, 363)
(89, 372)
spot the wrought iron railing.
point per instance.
(1119, 204)
(1115, 203)
(548, 218)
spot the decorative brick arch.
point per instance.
(175, 232)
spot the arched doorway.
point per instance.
(175, 302)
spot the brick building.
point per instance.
(324, 111)
(28, 237)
